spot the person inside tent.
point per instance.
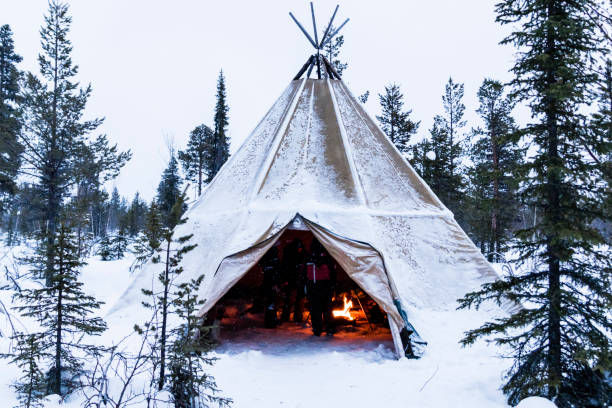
(321, 277)
(294, 268)
(269, 264)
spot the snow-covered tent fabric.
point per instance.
(319, 155)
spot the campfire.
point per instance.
(344, 313)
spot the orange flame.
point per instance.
(346, 312)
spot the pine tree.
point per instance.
(134, 219)
(27, 355)
(169, 188)
(331, 50)
(560, 339)
(116, 211)
(113, 247)
(96, 163)
(424, 159)
(150, 239)
(169, 254)
(220, 147)
(153, 228)
(601, 127)
(82, 219)
(119, 244)
(432, 159)
(452, 122)
(188, 382)
(62, 310)
(25, 214)
(495, 175)
(442, 160)
(105, 249)
(196, 159)
(363, 98)
(395, 123)
(55, 135)
(10, 121)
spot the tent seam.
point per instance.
(280, 135)
(347, 148)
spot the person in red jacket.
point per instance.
(321, 277)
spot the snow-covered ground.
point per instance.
(447, 376)
(318, 374)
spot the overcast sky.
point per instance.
(154, 64)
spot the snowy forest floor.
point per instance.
(318, 372)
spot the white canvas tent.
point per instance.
(317, 159)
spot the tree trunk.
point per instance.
(451, 136)
(494, 211)
(200, 170)
(609, 86)
(58, 338)
(2, 68)
(32, 358)
(162, 366)
(51, 213)
(552, 217)
(192, 374)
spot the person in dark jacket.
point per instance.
(321, 278)
(270, 264)
(294, 268)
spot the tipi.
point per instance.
(317, 160)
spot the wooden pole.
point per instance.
(304, 31)
(304, 68)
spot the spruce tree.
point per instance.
(331, 50)
(168, 253)
(197, 157)
(220, 146)
(113, 247)
(495, 175)
(28, 356)
(394, 121)
(105, 249)
(96, 163)
(363, 98)
(423, 159)
(25, 214)
(432, 159)
(63, 311)
(10, 120)
(116, 211)
(119, 244)
(55, 135)
(133, 220)
(169, 188)
(153, 227)
(560, 339)
(452, 123)
(188, 381)
(601, 128)
(150, 238)
(440, 157)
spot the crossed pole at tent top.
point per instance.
(318, 46)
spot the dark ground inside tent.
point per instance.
(298, 338)
(242, 328)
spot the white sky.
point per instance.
(153, 64)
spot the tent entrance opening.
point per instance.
(280, 302)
